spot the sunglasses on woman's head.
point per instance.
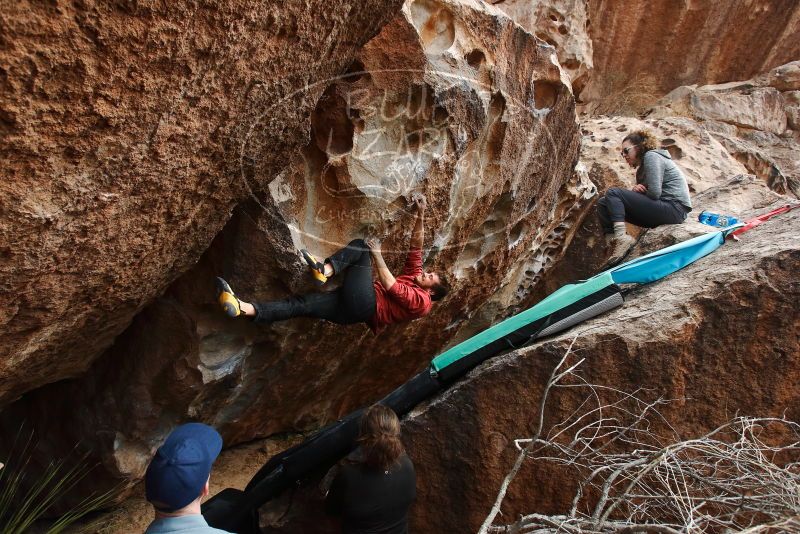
(624, 151)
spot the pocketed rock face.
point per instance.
(451, 99)
(524, 278)
(721, 337)
(563, 24)
(702, 158)
(129, 133)
(644, 49)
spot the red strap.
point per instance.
(752, 223)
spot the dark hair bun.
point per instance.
(379, 437)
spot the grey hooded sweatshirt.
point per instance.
(664, 180)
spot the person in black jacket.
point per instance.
(376, 484)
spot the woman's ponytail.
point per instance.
(379, 437)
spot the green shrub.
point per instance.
(24, 501)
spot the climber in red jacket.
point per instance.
(378, 303)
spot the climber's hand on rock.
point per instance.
(374, 245)
(640, 188)
(420, 202)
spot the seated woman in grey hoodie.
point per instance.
(660, 196)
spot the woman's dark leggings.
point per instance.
(353, 302)
(620, 205)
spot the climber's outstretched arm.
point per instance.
(418, 235)
(381, 270)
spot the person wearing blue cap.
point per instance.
(177, 480)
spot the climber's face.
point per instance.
(630, 153)
(427, 280)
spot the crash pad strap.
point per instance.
(755, 221)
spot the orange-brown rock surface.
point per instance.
(644, 49)
(622, 56)
(148, 148)
(563, 24)
(451, 99)
(129, 133)
(718, 338)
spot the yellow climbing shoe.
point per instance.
(317, 267)
(230, 304)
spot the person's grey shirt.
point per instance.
(664, 180)
(185, 524)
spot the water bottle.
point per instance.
(715, 219)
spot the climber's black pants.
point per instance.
(353, 302)
(620, 205)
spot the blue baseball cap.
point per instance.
(179, 470)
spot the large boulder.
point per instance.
(783, 78)
(451, 99)
(719, 337)
(755, 120)
(709, 152)
(739, 104)
(129, 133)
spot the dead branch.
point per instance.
(728, 480)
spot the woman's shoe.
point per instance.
(226, 298)
(622, 243)
(317, 267)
